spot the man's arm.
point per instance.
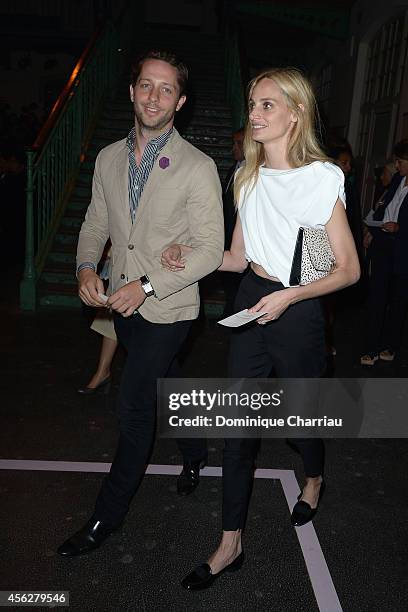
(92, 239)
(204, 210)
(174, 257)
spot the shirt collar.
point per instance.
(402, 184)
(156, 144)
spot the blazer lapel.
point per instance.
(122, 177)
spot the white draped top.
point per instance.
(281, 202)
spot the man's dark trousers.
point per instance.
(151, 349)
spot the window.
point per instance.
(384, 73)
(323, 87)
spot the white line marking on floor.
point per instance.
(322, 583)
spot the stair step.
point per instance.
(209, 131)
(60, 279)
(65, 239)
(204, 139)
(65, 248)
(58, 260)
(76, 213)
(56, 300)
(59, 267)
(66, 232)
(77, 203)
(72, 223)
(58, 288)
(204, 122)
(84, 181)
(82, 191)
(89, 164)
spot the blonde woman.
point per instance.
(287, 182)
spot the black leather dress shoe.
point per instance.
(302, 512)
(90, 537)
(190, 477)
(103, 387)
(202, 577)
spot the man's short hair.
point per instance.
(401, 149)
(164, 56)
(337, 150)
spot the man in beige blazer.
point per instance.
(149, 191)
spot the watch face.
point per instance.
(148, 289)
(146, 285)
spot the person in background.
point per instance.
(385, 177)
(103, 325)
(389, 269)
(343, 158)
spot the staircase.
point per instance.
(206, 123)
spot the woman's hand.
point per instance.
(273, 304)
(390, 227)
(172, 257)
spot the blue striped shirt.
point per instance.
(138, 175)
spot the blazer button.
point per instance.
(131, 247)
(122, 276)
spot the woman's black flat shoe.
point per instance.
(302, 512)
(202, 577)
(103, 387)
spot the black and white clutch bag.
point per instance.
(313, 257)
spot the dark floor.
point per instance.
(362, 523)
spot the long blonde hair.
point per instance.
(303, 146)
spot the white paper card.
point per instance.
(241, 318)
(103, 297)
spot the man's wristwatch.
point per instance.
(146, 285)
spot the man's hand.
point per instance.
(127, 299)
(89, 286)
(391, 227)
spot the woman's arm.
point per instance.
(233, 261)
(346, 272)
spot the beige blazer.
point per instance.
(180, 203)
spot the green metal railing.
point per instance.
(54, 161)
(235, 86)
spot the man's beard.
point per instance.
(158, 125)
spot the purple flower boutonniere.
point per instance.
(164, 163)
